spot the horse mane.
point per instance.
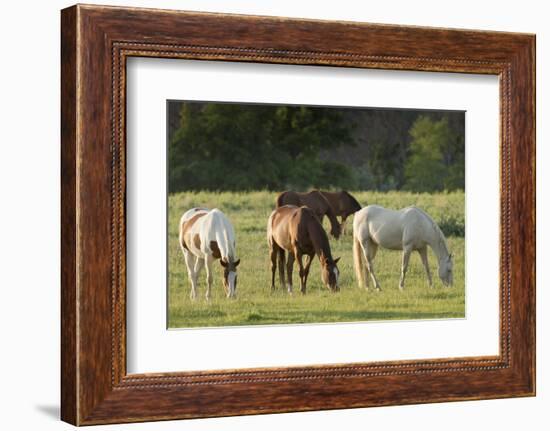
(330, 213)
(436, 228)
(320, 241)
(227, 251)
(353, 200)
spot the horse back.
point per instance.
(307, 233)
(278, 229)
(382, 226)
(342, 203)
(217, 229)
(317, 202)
(189, 230)
(313, 200)
(334, 200)
(287, 197)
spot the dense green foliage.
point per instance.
(242, 147)
(220, 146)
(434, 163)
(256, 304)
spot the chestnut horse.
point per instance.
(298, 231)
(343, 204)
(314, 200)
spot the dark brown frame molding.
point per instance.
(95, 43)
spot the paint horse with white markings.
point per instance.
(298, 231)
(204, 236)
(409, 229)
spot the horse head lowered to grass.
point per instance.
(204, 236)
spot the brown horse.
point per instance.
(298, 231)
(314, 200)
(343, 204)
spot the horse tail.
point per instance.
(269, 228)
(358, 261)
(180, 233)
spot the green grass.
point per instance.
(256, 304)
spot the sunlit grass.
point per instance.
(256, 304)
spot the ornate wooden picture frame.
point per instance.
(96, 42)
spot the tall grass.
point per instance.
(256, 304)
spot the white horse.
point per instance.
(204, 236)
(408, 229)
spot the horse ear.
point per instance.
(336, 260)
(237, 262)
(450, 256)
(224, 263)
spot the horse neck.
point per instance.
(438, 243)
(225, 244)
(226, 251)
(319, 239)
(352, 202)
(331, 216)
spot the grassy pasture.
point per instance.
(256, 304)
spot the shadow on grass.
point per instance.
(312, 317)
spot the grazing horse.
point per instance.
(314, 200)
(298, 231)
(409, 229)
(343, 204)
(204, 236)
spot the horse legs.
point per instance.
(199, 264)
(404, 265)
(343, 225)
(190, 262)
(309, 259)
(209, 260)
(370, 249)
(281, 264)
(289, 267)
(273, 253)
(302, 271)
(424, 256)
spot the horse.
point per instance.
(204, 236)
(409, 229)
(343, 204)
(298, 231)
(314, 200)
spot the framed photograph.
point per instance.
(265, 215)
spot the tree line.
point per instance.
(223, 146)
